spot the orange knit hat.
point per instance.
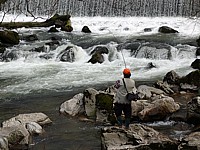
(126, 71)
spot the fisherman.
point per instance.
(121, 104)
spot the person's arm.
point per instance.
(117, 84)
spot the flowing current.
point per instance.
(34, 81)
(30, 73)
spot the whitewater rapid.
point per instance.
(29, 74)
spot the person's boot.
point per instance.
(119, 121)
(127, 122)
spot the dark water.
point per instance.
(68, 133)
(65, 133)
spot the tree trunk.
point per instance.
(49, 22)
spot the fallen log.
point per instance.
(57, 20)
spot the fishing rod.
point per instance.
(123, 59)
(120, 50)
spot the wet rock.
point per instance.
(10, 55)
(17, 136)
(138, 106)
(53, 29)
(147, 91)
(192, 78)
(133, 46)
(30, 38)
(67, 28)
(147, 29)
(171, 78)
(73, 106)
(138, 137)
(159, 110)
(90, 102)
(97, 58)
(86, 29)
(150, 65)
(191, 142)
(197, 52)
(34, 128)
(2, 49)
(38, 49)
(39, 118)
(104, 108)
(3, 143)
(193, 111)
(100, 50)
(196, 64)
(54, 41)
(185, 87)
(68, 54)
(164, 86)
(9, 37)
(166, 29)
(198, 41)
(154, 50)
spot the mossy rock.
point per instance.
(105, 102)
(15, 137)
(192, 78)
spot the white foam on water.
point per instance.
(32, 74)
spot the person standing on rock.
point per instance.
(121, 103)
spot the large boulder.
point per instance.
(68, 54)
(3, 143)
(164, 86)
(90, 102)
(192, 78)
(73, 106)
(147, 92)
(138, 137)
(154, 50)
(191, 141)
(39, 118)
(166, 29)
(193, 111)
(9, 37)
(17, 136)
(104, 108)
(97, 58)
(159, 109)
(171, 78)
(97, 54)
(138, 106)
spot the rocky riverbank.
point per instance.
(173, 99)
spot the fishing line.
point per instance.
(120, 50)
